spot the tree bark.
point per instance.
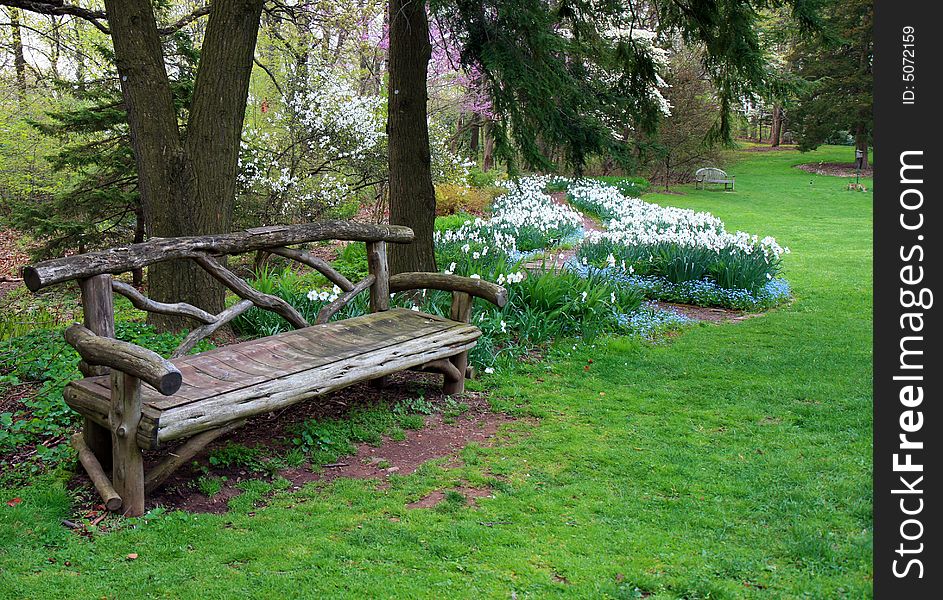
(19, 58)
(187, 187)
(475, 134)
(412, 196)
(861, 143)
(776, 131)
(487, 161)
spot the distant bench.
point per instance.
(204, 396)
(713, 175)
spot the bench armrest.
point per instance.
(480, 288)
(146, 365)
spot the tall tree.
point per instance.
(837, 64)
(19, 57)
(412, 195)
(562, 76)
(187, 179)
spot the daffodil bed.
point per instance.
(646, 253)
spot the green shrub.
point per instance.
(479, 179)
(630, 186)
(451, 198)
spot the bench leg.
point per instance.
(456, 386)
(127, 458)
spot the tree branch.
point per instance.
(59, 7)
(95, 17)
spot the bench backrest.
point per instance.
(94, 271)
(710, 173)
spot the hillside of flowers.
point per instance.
(606, 282)
(662, 253)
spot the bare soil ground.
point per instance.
(835, 169)
(439, 438)
(12, 259)
(710, 314)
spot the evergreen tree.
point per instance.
(100, 205)
(837, 66)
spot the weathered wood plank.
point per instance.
(119, 260)
(194, 337)
(247, 292)
(128, 467)
(460, 311)
(480, 288)
(380, 269)
(142, 302)
(279, 393)
(224, 371)
(86, 398)
(126, 357)
(318, 264)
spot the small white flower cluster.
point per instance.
(324, 296)
(511, 278)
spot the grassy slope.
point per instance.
(733, 461)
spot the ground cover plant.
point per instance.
(734, 461)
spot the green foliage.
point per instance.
(352, 261)
(453, 198)
(557, 81)
(683, 141)
(45, 358)
(715, 465)
(99, 206)
(629, 186)
(836, 65)
(210, 486)
(730, 268)
(444, 223)
(482, 179)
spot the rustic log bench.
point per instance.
(713, 175)
(206, 395)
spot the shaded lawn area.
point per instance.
(731, 461)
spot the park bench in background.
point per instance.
(203, 396)
(713, 175)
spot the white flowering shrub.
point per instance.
(313, 151)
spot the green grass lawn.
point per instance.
(730, 461)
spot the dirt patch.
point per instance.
(12, 259)
(441, 437)
(835, 169)
(770, 148)
(469, 494)
(711, 314)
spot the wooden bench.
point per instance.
(713, 175)
(206, 395)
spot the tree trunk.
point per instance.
(187, 188)
(475, 134)
(19, 58)
(861, 143)
(487, 161)
(777, 129)
(412, 196)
